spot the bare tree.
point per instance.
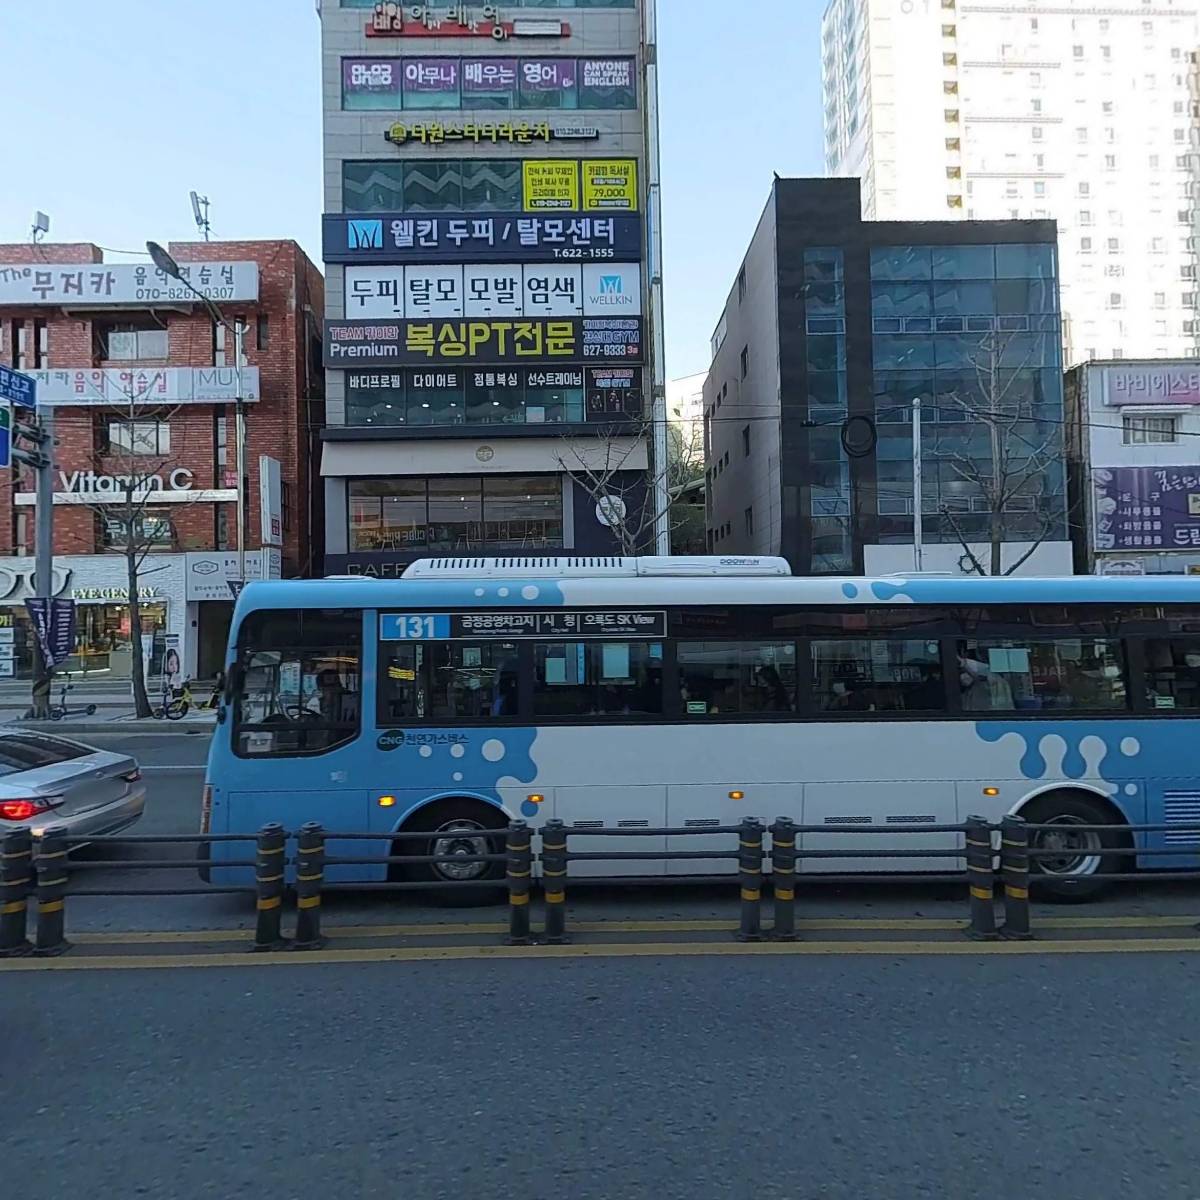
(628, 499)
(135, 465)
(1009, 480)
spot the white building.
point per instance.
(685, 416)
(1133, 447)
(1030, 108)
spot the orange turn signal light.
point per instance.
(535, 798)
(737, 795)
(991, 791)
(387, 801)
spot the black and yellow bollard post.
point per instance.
(1014, 874)
(980, 880)
(554, 881)
(518, 849)
(51, 863)
(750, 860)
(16, 882)
(268, 876)
(310, 873)
(783, 878)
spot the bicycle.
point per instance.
(60, 710)
(176, 702)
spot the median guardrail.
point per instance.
(998, 859)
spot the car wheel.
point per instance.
(1075, 871)
(462, 828)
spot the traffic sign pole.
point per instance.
(43, 564)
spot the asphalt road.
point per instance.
(606, 1080)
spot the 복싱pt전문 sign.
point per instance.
(408, 343)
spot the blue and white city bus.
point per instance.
(667, 692)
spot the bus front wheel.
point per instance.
(1073, 867)
(462, 830)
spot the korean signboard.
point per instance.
(550, 184)
(400, 627)
(405, 342)
(208, 573)
(494, 290)
(1149, 385)
(1146, 508)
(512, 237)
(125, 283)
(391, 18)
(518, 133)
(613, 393)
(152, 385)
(18, 387)
(610, 184)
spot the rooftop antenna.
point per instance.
(39, 228)
(200, 213)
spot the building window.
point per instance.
(221, 441)
(262, 331)
(1114, 245)
(745, 361)
(433, 185)
(222, 531)
(741, 284)
(497, 513)
(18, 346)
(130, 342)
(1114, 300)
(218, 343)
(41, 343)
(1149, 431)
(745, 441)
(748, 517)
(137, 437)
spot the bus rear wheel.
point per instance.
(462, 828)
(1075, 870)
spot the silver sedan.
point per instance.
(47, 781)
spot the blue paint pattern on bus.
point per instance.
(1017, 589)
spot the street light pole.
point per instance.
(165, 263)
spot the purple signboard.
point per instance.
(541, 75)
(431, 77)
(1127, 385)
(488, 75)
(1146, 508)
(371, 82)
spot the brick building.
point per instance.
(143, 384)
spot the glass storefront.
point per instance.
(102, 639)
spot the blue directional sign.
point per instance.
(20, 389)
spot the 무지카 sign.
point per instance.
(125, 283)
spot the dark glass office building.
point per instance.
(833, 327)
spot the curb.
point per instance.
(144, 726)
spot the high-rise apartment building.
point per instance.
(491, 210)
(1083, 113)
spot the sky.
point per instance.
(115, 111)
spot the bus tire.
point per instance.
(462, 822)
(1076, 876)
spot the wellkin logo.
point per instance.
(364, 235)
(612, 293)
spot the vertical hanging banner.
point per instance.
(54, 627)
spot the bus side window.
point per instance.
(1001, 674)
(446, 680)
(597, 678)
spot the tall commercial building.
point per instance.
(832, 328)
(143, 386)
(490, 233)
(1079, 112)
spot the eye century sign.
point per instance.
(485, 237)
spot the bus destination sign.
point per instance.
(510, 624)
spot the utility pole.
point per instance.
(239, 338)
(918, 514)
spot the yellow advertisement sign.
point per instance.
(550, 183)
(610, 184)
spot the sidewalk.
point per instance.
(115, 721)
